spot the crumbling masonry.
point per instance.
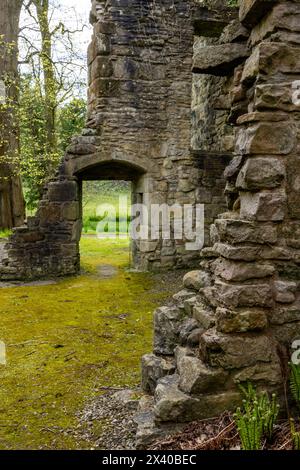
(237, 317)
(138, 129)
(172, 133)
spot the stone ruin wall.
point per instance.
(238, 315)
(138, 128)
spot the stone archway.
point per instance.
(136, 172)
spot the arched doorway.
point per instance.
(135, 174)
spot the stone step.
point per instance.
(195, 377)
(173, 405)
(148, 430)
(236, 351)
(219, 60)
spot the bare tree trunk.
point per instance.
(50, 84)
(12, 207)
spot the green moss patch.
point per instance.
(68, 342)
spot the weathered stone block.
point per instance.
(274, 96)
(103, 87)
(261, 374)
(101, 67)
(285, 16)
(100, 45)
(183, 295)
(237, 271)
(264, 206)
(236, 351)
(270, 58)
(174, 405)
(286, 333)
(285, 314)
(251, 253)
(285, 291)
(234, 32)
(32, 236)
(70, 211)
(63, 191)
(240, 321)
(241, 231)
(196, 280)
(293, 186)
(196, 378)
(50, 213)
(189, 305)
(186, 328)
(244, 295)
(166, 329)
(153, 369)
(261, 173)
(219, 60)
(204, 317)
(252, 11)
(267, 138)
(234, 167)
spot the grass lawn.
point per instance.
(67, 340)
(96, 204)
(5, 233)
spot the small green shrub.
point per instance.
(295, 382)
(257, 417)
(5, 233)
(295, 435)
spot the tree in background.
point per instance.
(71, 120)
(33, 135)
(11, 196)
(50, 110)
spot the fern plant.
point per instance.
(295, 435)
(249, 428)
(295, 382)
(257, 418)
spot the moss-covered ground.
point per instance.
(68, 341)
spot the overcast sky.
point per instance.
(74, 14)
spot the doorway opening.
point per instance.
(106, 209)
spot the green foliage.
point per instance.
(38, 164)
(5, 233)
(71, 119)
(295, 382)
(295, 435)
(257, 418)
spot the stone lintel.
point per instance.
(252, 11)
(211, 22)
(220, 60)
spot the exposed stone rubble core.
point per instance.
(138, 128)
(244, 301)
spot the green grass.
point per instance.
(117, 217)
(68, 340)
(5, 233)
